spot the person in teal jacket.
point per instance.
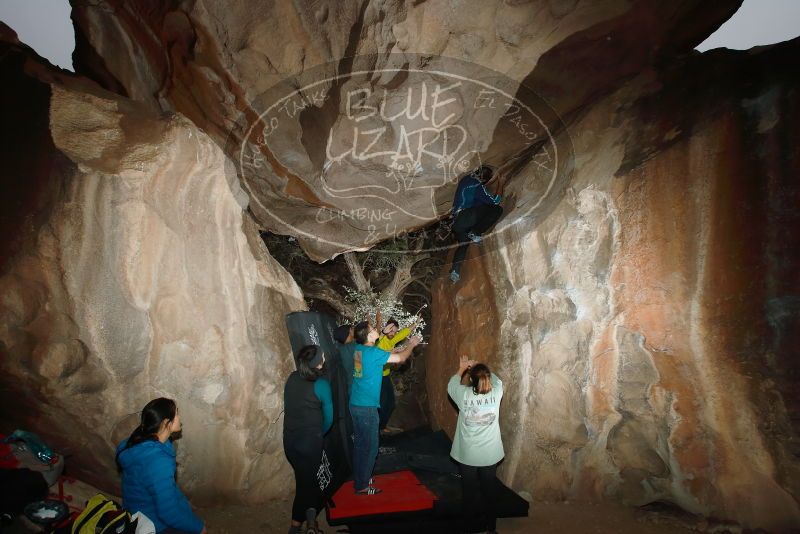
(147, 463)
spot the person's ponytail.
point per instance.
(153, 414)
(481, 379)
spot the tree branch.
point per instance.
(406, 283)
(402, 275)
(420, 296)
(317, 288)
(357, 272)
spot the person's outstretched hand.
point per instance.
(414, 340)
(464, 364)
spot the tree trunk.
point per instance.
(402, 276)
(318, 288)
(357, 272)
(321, 290)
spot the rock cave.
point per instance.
(211, 167)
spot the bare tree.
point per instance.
(387, 271)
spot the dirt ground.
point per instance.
(543, 518)
(605, 518)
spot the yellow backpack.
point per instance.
(103, 516)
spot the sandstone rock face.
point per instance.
(146, 278)
(643, 325)
(228, 66)
(464, 323)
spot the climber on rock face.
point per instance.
(475, 210)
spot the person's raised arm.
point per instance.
(464, 365)
(483, 196)
(400, 357)
(405, 332)
(458, 378)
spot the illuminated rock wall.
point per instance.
(647, 327)
(143, 277)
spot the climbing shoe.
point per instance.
(311, 522)
(369, 490)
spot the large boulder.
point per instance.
(138, 274)
(646, 330)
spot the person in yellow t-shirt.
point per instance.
(391, 335)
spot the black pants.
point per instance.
(387, 402)
(477, 220)
(304, 453)
(479, 497)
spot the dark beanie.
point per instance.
(342, 332)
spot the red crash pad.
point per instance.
(402, 492)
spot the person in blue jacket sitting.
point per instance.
(147, 463)
(475, 211)
(308, 415)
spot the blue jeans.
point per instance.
(365, 446)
